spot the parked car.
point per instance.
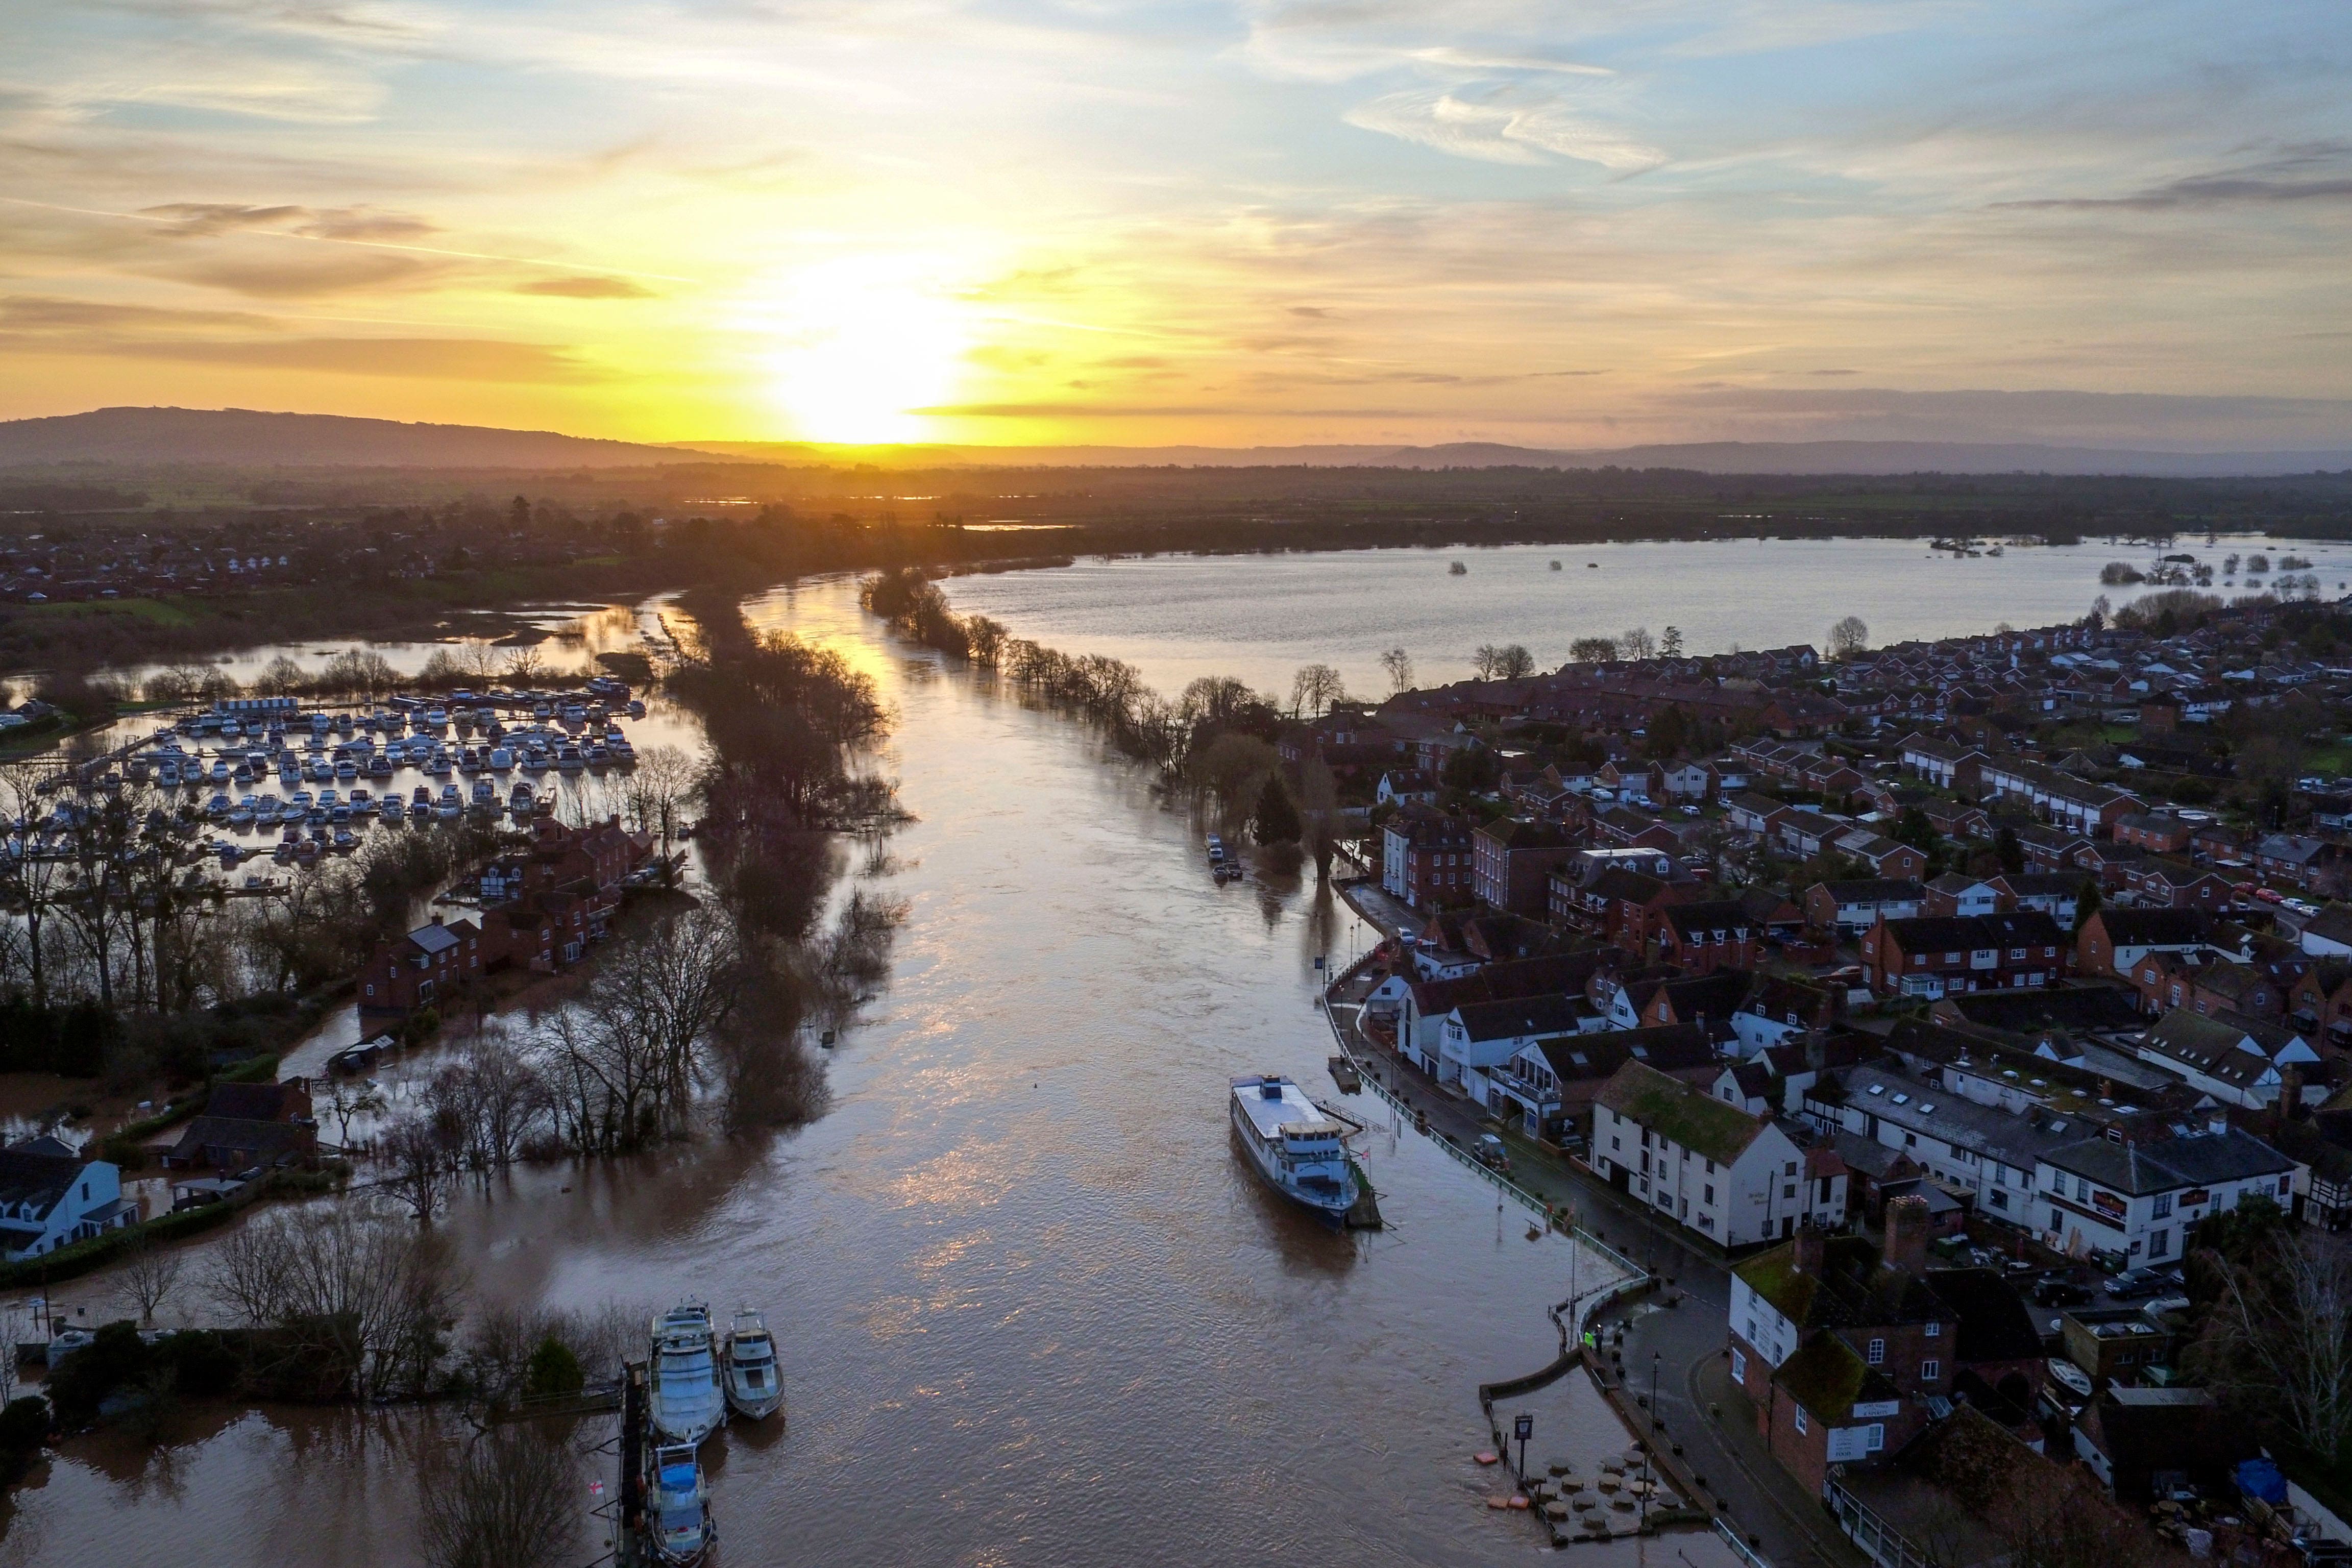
(2133, 1283)
(2059, 1293)
(1488, 1151)
(2269, 895)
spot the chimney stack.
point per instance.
(1811, 1248)
(1906, 1233)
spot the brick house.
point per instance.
(1705, 937)
(1841, 1349)
(2112, 941)
(1425, 859)
(2177, 885)
(2158, 832)
(1851, 907)
(248, 1124)
(1511, 860)
(1935, 955)
(421, 969)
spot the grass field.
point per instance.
(159, 612)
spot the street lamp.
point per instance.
(1649, 1449)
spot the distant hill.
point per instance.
(244, 439)
(1705, 457)
(241, 438)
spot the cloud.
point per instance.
(23, 314)
(430, 359)
(585, 289)
(303, 274)
(1503, 129)
(201, 219)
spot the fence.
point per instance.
(1747, 1553)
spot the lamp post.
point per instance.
(1649, 1449)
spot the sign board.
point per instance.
(1524, 1427)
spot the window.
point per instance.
(1930, 1371)
(1801, 1426)
(2082, 1190)
(2000, 1200)
(1710, 1167)
(1877, 1352)
(1934, 1331)
(1791, 1169)
(1615, 1141)
(1708, 1194)
(2163, 1205)
(1877, 1440)
(2159, 1242)
(1739, 1366)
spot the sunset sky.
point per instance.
(1533, 221)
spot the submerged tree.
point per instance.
(1275, 820)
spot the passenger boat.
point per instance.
(754, 1384)
(1296, 1146)
(679, 1519)
(683, 1395)
(501, 760)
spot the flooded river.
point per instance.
(1033, 1308)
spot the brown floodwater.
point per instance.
(1033, 1306)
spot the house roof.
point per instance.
(1852, 1289)
(1828, 1378)
(2154, 927)
(1875, 891)
(1669, 1048)
(1683, 1115)
(1523, 1015)
(1994, 1324)
(2163, 1166)
(1689, 920)
(36, 1180)
(258, 1101)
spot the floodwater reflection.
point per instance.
(1032, 1306)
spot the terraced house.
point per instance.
(2134, 1192)
(1935, 956)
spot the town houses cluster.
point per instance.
(1894, 976)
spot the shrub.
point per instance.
(554, 1369)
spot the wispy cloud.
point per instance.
(1502, 128)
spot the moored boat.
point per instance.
(683, 1396)
(1297, 1147)
(754, 1383)
(679, 1518)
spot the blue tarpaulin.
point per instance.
(2260, 1478)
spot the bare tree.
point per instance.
(525, 665)
(281, 676)
(1636, 642)
(1397, 666)
(31, 877)
(348, 1101)
(1849, 636)
(2287, 1316)
(629, 1055)
(658, 787)
(506, 1502)
(352, 1288)
(1314, 689)
(419, 1156)
(150, 1273)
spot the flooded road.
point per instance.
(1032, 1306)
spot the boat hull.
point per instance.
(1329, 1207)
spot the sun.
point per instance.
(858, 343)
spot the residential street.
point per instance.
(1761, 1500)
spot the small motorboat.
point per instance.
(754, 1384)
(683, 1396)
(680, 1517)
(2074, 1378)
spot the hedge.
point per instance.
(96, 1252)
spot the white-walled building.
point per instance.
(2137, 1199)
(1735, 1179)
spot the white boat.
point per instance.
(754, 1382)
(1295, 1144)
(679, 1519)
(2075, 1380)
(683, 1396)
(501, 760)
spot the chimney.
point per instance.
(1810, 1245)
(436, 917)
(1906, 1233)
(2290, 1099)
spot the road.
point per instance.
(1768, 1507)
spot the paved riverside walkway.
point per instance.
(1766, 1504)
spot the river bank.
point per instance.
(1019, 1255)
